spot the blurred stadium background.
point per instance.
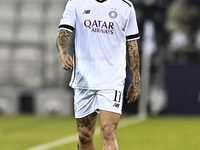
(32, 81)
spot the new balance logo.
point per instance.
(116, 105)
(86, 11)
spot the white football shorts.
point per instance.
(90, 101)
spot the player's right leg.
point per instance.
(85, 114)
(86, 129)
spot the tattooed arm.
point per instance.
(62, 41)
(132, 56)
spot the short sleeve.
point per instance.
(68, 20)
(131, 29)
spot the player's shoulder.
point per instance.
(74, 1)
(79, 2)
(126, 3)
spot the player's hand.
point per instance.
(66, 61)
(133, 93)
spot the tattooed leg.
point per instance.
(86, 129)
(84, 122)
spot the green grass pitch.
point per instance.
(22, 132)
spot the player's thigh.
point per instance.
(84, 102)
(86, 125)
(109, 120)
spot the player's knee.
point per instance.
(108, 133)
(85, 137)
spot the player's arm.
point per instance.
(62, 41)
(132, 56)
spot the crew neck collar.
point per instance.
(101, 1)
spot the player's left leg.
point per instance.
(86, 128)
(108, 123)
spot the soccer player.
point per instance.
(106, 36)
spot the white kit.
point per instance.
(102, 29)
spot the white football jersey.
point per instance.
(102, 29)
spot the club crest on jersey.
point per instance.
(112, 14)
